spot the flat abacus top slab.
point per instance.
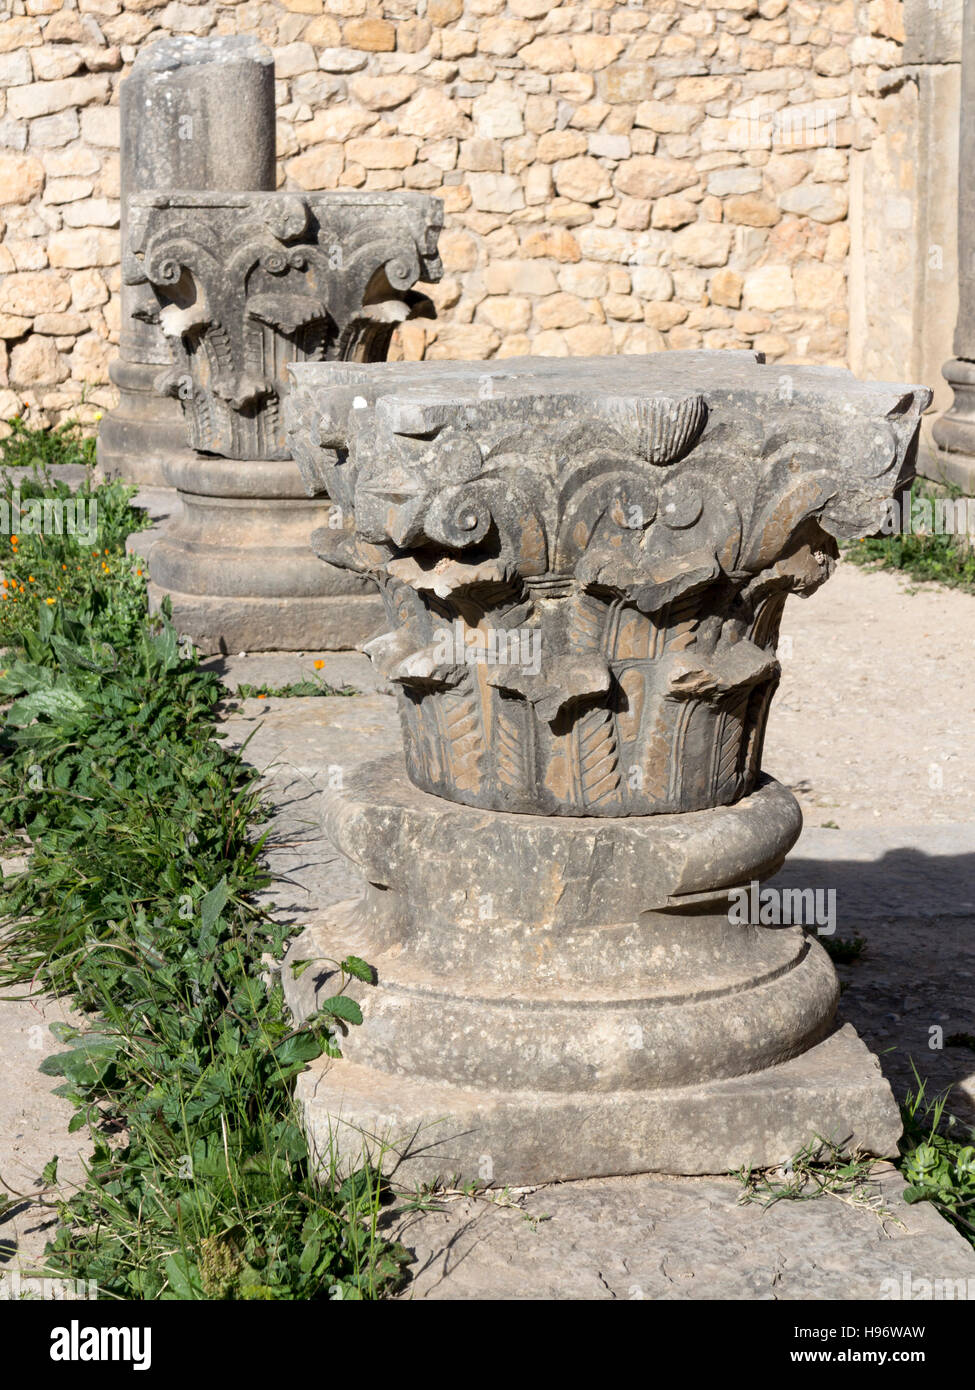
(712, 373)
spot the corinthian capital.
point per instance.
(247, 283)
(585, 562)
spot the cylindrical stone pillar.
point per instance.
(954, 432)
(195, 114)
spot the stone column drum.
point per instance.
(244, 285)
(954, 431)
(195, 113)
(584, 565)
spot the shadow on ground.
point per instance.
(911, 992)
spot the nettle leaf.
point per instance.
(62, 775)
(70, 1092)
(57, 702)
(359, 969)
(357, 1186)
(916, 1194)
(290, 1142)
(184, 1279)
(22, 675)
(341, 1006)
(165, 647)
(214, 903)
(45, 622)
(310, 1254)
(49, 1173)
(298, 1049)
(86, 1064)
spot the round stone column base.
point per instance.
(144, 435)
(573, 996)
(237, 561)
(954, 431)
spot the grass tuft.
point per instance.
(946, 559)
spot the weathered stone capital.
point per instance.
(585, 561)
(247, 283)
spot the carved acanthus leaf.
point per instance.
(446, 576)
(287, 312)
(738, 666)
(566, 677)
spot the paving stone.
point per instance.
(677, 1238)
(340, 670)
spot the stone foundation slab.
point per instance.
(425, 1132)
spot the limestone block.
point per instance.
(48, 98)
(770, 287)
(583, 179)
(432, 115)
(33, 292)
(36, 362)
(382, 93)
(725, 287)
(673, 212)
(372, 35)
(749, 210)
(815, 200)
(704, 244)
(21, 177)
(649, 176)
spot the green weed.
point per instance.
(137, 902)
(294, 690)
(843, 949)
(946, 558)
(821, 1168)
(938, 1166)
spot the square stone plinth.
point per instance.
(424, 1131)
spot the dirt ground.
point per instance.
(874, 723)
